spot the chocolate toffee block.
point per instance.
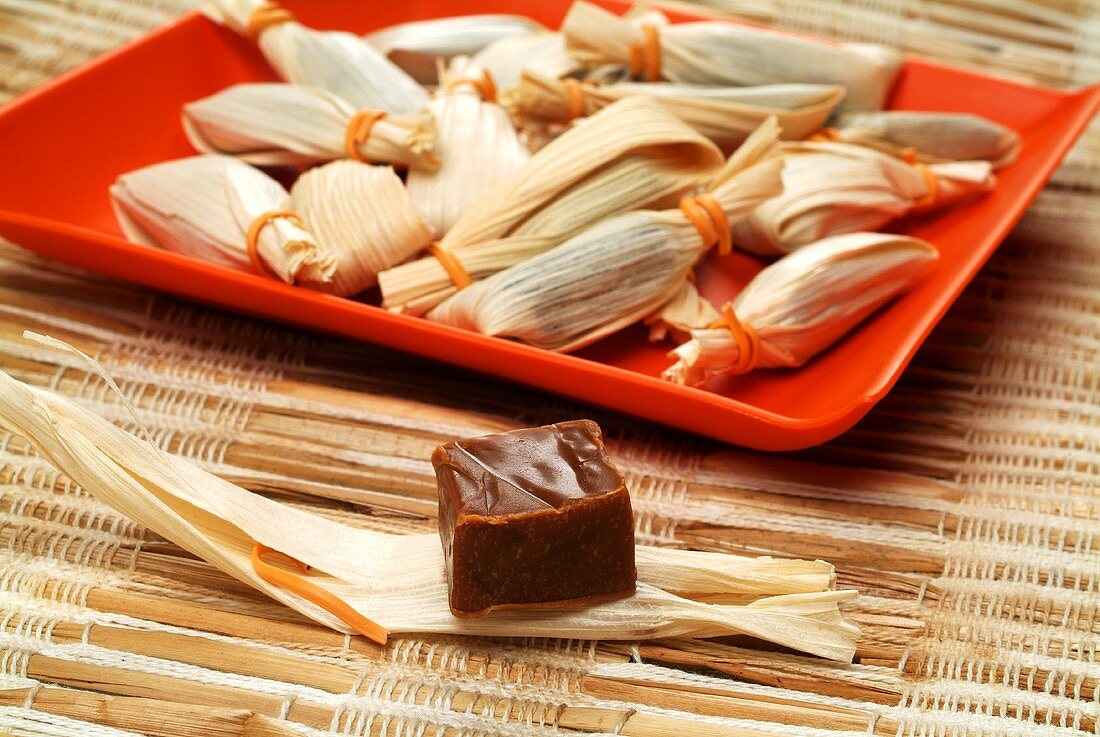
(533, 518)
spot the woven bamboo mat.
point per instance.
(965, 507)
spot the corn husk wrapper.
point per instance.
(805, 302)
(725, 115)
(478, 147)
(615, 272)
(274, 124)
(363, 216)
(833, 188)
(399, 581)
(629, 155)
(686, 311)
(934, 137)
(202, 206)
(417, 45)
(543, 52)
(720, 53)
(339, 62)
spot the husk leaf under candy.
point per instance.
(629, 155)
(202, 206)
(339, 62)
(276, 124)
(477, 147)
(805, 302)
(720, 53)
(613, 273)
(398, 581)
(417, 45)
(725, 115)
(833, 188)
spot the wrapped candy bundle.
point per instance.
(719, 53)
(417, 45)
(375, 583)
(622, 268)
(272, 124)
(339, 62)
(629, 155)
(478, 146)
(833, 188)
(929, 137)
(218, 209)
(725, 115)
(800, 305)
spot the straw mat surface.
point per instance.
(965, 508)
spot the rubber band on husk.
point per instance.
(931, 182)
(452, 266)
(646, 56)
(748, 342)
(484, 85)
(359, 129)
(824, 135)
(575, 100)
(313, 593)
(265, 16)
(708, 217)
(253, 236)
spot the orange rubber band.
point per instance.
(358, 132)
(265, 16)
(484, 85)
(708, 217)
(908, 155)
(452, 266)
(311, 592)
(931, 182)
(575, 100)
(253, 236)
(748, 342)
(646, 56)
(824, 135)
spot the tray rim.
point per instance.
(799, 432)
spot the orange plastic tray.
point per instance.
(62, 145)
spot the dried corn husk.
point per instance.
(363, 216)
(716, 52)
(805, 302)
(294, 125)
(543, 52)
(202, 206)
(933, 137)
(417, 45)
(399, 581)
(616, 271)
(725, 115)
(478, 147)
(833, 188)
(631, 154)
(339, 62)
(686, 311)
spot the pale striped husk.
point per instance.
(478, 147)
(543, 52)
(833, 188)
(805, 302)
(934, 137)
(202, 206)
(726, 115)
(416, 46)
(274, 124)
(399, 581)
(339, 62)
(632, 154)
(715, 52)
(615, 272)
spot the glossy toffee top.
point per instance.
(534, 517)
